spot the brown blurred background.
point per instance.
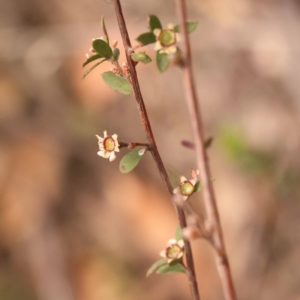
(71, 226)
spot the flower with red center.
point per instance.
(186, 187)
(108, 145)
(174, 250)
(166, 40)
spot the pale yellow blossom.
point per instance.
(166, 40)
(174, 250)
(108, 145)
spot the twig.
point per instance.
(156, 156)
(133, 145)
(213, 219)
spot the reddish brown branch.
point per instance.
(213, 219)
(156, 156)
(133, 145)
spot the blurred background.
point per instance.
(71, 226)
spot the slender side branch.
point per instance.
(156, 156)
(213, 219)
(133, 145)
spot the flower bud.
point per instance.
(114, 43)
(187, 188)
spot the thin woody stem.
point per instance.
(136, 47)
(133, 145)
(213, 220)
(153, 148)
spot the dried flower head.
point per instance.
(116, 71)
(166, 40)
(174, 250)
(125, 68)
(108, 145)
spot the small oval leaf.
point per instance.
(141, 56)
(117, 83)
(156, 265)
(171, 269)
(154, 22)
(162, 61)
(191, 26)
(131, 160)
(146, 38)
(92, 68)
(175, 262)
(178, 233)
(116, 54)
(102, 48)
(197, 187)
(92, 58)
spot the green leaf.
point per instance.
(117, 83)
(106, 39)
(92, 58)
(102, 48)
(154, 22)
(178, 233)
(141, 56)
(93, 67)
(116, 54)
(131, 160)
(175, 262)
(197, 187)
(156, 265)
(146, 38)
(191, 26)
(162, 61)
(171, 269)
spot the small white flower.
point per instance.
(174, 250)
(108, 145)
(166, 40)
(186, 187)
